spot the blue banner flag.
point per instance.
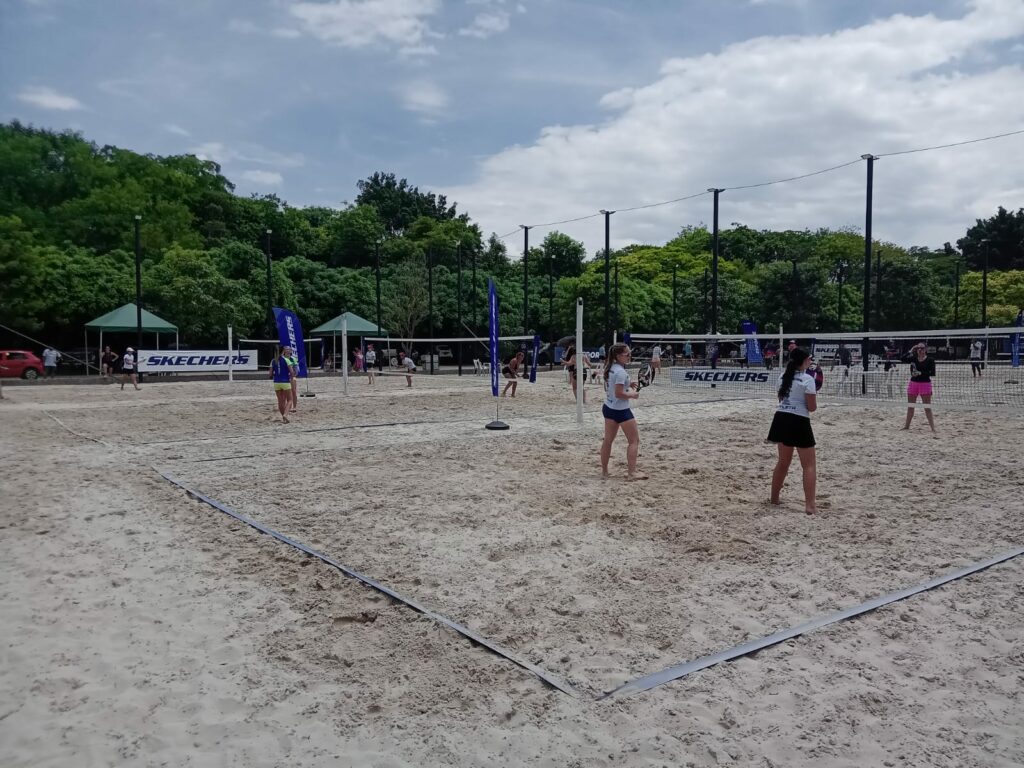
(289, 331)
(753, 348)
(536, 354)
(1015, 341)
(492, 309)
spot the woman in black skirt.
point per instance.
(791, 427)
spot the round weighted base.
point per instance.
(496, 425)
(308, 394)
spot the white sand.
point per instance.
(141, 627)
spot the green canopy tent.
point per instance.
(124, 319)
(355, 325)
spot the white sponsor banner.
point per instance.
(742, 377)
(195, 360)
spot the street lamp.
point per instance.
(984, 285)
(376, 266)
(138, 289)
(458, 302)
(867, 264)
(270, 287)
(526, 277)
(606, 340)
(714, 263)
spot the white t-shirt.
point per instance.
(370, 357)
(976, 350)
(50, 357)
(656, 352)
(796, 402)
(128, 361)
(617, 375)
(410, 366)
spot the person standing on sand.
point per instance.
(511, 370)
(370, 358)
(107, 361)
(791, 427)
(281, 373)
(128, 368)
(617, 413)
(409, 365)
(573, 363)
(922, 369)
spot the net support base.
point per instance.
(496, 425)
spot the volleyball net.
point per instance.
(316, 354)
(974, 368)
(446, 352)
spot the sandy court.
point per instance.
(140, 625)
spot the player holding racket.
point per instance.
(791, 426)
(617, 412)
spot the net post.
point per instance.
(344, 355)
(231, 358)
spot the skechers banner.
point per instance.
(195, 360)
(742, 377)
(289, 331)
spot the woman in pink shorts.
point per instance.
(922, 369)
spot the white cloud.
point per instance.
(47, 98)
(486, 24)
(263, 178)
(362, 23)
(243, 27)
(244, 152)
(424, 97)
(286, 32)
(176, 130)
(775, 107)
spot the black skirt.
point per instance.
(791, 430)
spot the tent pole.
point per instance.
(101, 351)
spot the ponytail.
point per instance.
(609, 361)
(796, 359)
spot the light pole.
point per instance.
(714, 263)
(526, 277)
(617, 321)
(474, 309)
(376, 265)
(606, 339)
(551, 311)
(878, 289)
(842, 276)
(674, 293)
(458, 302)
(704, 303)
(270, 287)
(984, 286)
(867, 265)
(138, 290)
(430, 305)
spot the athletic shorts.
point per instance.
(282, 387)
(791, 430)
(616, 415)
(915, 388)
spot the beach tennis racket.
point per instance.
(644, 376)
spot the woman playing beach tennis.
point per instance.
(922, 369)
(617, 412)
(791, 426)
(281, 372)
(511, 370)
(293, 365)
(573, 363)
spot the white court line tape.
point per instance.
(462, 630)
(681, 670)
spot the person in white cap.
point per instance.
(128, 368)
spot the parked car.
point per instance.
(443, 351)
(20, 364)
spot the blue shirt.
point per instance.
(279, 367)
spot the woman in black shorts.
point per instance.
(511, 370)
(573, 363)
(791, 427)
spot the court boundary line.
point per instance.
(678, 671)
(505, 653)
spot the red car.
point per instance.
(20, 364)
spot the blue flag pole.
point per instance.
(492, 307)
(1015, 341)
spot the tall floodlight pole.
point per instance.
(842, 277)
(270, 286)
(867, 266)
(551, 311)
(430, 305)
(984, 287)
(474, 308)
(458, 257)
(526, 278)
(878, 289)
(704, 303)
(617, 316)
(714, 262)
(956, 297)
(138, 289)
(376, 265)
(674, 293)
(606, 340)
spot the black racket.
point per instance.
(644, 376)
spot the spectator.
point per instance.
(50, 358)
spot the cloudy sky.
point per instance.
(534, 111)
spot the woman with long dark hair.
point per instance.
(617, 413)
(791, 427)
(922, 369)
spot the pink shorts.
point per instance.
(916, 388)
